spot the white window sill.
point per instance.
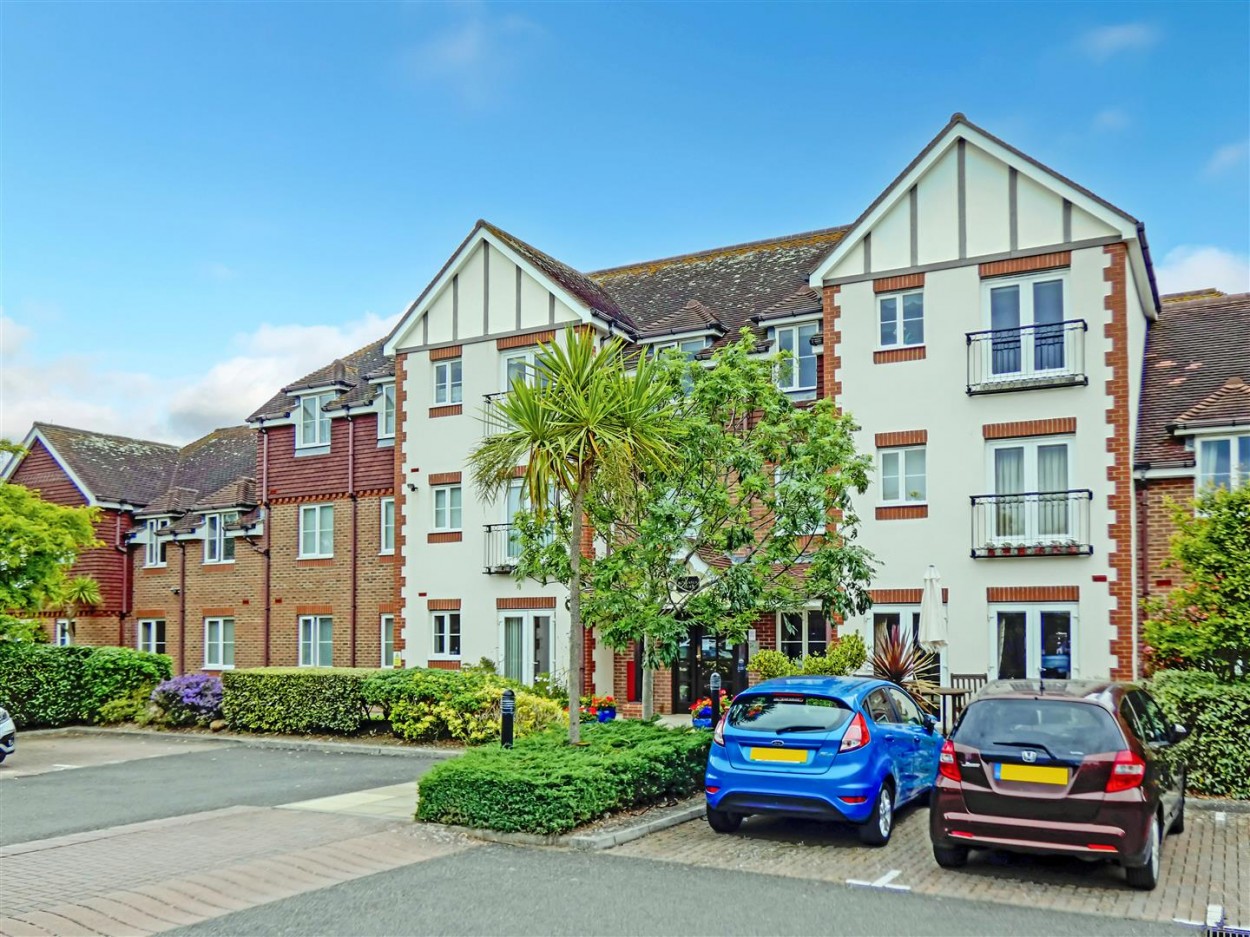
(302, 451)
(218, 667)
(447, 657)
(315, 556)
(156, 566)
(218, 563)
(390, 552)
(385, 441)
(902, 504)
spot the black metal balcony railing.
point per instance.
(1052, 355)
(503, 548)
(492, 420)
(1039, 523)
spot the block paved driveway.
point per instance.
(1207, 864)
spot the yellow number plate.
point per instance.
(1035, 774)
(792, 755)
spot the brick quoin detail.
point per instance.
(906, 437)
(903, 512)
(1022, 428)
(442, 354)
(1033, 594)
(454, 409)
(999, 268)
(892, 355)
(443, 605)
(446, 536)
(908, 281)
(831, 339)
(521, 602)
(1120, 472)
(523, 341)
(401, 542)
(445, 478)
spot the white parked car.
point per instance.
(8, 734)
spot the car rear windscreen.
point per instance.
(788, 712)
(1062, 728)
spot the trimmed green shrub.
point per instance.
(544, 785)
(295, 699)
(844, 657)
(771, 664)
(1217, 715)
(49, 685)
(132, 708)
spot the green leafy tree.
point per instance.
(739, 523)
(1204, 624)
(74, 595)
(583, 417)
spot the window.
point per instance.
(901, 317)
(525, 645)
(880, 710)
(386, 419)
(446, 634)
(905, 706)
(1030, 483)
(1033, 641)
(387, 525)
(63, 636)
(797, 373)
(316, 531)
(802, 633)
(316, 641)
(447, 383)
(152, 635)
(903, 476)
(785, 492)
(1026, 317)
(388, 640)
(689, 347)
(1224, 462)
(905, 622)
(218, 643)
(447, 507)
(218, 545)
(154, 548)
(313, 428)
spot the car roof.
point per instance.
(845, 688)
(1106, 693)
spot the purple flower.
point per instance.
(189, 699)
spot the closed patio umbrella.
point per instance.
(932, 635)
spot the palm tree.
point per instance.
(75, 594)
(587, 416)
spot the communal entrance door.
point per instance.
(699, 655)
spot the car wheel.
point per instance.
(2, 757)
(722, 821)
(950, 857)
(880, 824)
(1178, 822)
(1146, 877)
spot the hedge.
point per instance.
(1217, 715)
(295, 699)
(545, 786)
(50, 685)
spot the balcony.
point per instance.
(503, 548)
(1040, 523)
(1028, 357)
(493, 421)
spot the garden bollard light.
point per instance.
(507, 712)
(714, 684)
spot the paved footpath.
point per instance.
(148, 877)
(1208, 864)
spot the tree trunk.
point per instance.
(648, 682)
(575, 614)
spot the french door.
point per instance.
(1031, 482)
(1027, 322)
(525, 644)
(1031, 642)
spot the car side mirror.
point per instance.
(1179, 733)
(930, 723)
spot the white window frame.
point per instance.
(386, 412)
(1027, 326)
(310, 405)
(899, 298)
(1236, 477)
(794, 387)
(316, 511)
(904, 494)
(448, 390)
(215, 650)
(145, 635)
(806, 612)
(528, 619)
(216, 537)
(681, 344)
(386, 526)
(1031, 509)
(387, 640)
(153, 554)
(310, 648)
(1032, 632)
(444, 523)
(441, 627)
(62, 636)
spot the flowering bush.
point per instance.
(702, 708)
(192, 699)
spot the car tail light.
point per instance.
(856, 735)
(962, 834)
(718, 734)
(1100, 847)
(948, 766)
(1128, 772)
(853, 800)
(712, 790)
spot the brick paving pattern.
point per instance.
(153, 876)
(1207, 864)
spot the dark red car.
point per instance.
(1068, 767)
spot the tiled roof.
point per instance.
(1194, 351)
(692, 317)
(114, 468)
(205, 467)
(347, 375)
(801, 301)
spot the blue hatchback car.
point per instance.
(849, 749)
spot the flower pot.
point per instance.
(607, 715)
(701, 723)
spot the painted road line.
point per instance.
(885, 881)
(1215, 915)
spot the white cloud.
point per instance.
(1228, 157)
(1105, 42)
(87, 391)
(1111, 119)
(1195, 266)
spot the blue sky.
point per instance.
(201, 202)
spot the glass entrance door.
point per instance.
(699, 656)
(1032, 643)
